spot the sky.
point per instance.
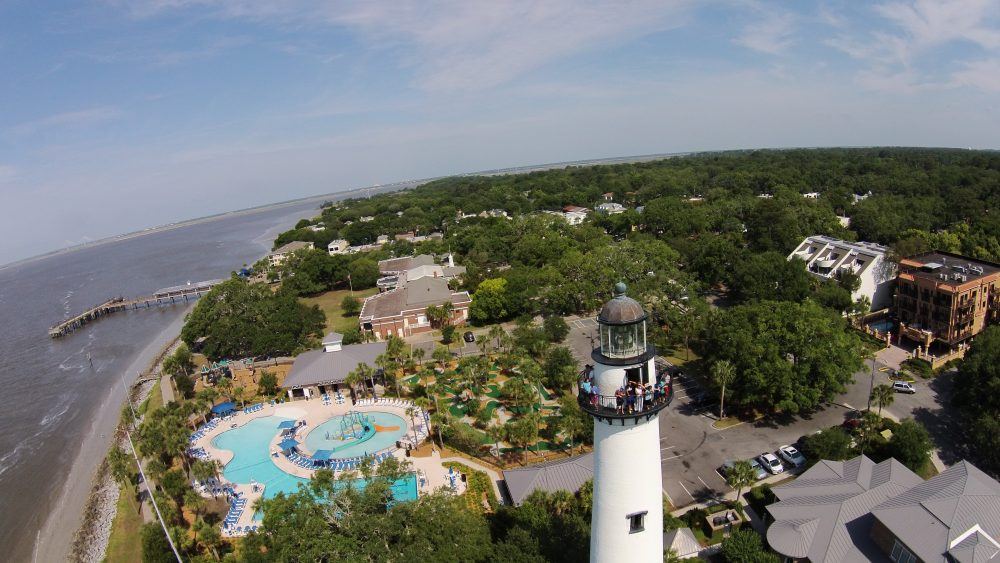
(117, 115)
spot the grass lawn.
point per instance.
(679, 355)
(927, 471)
(155, 399)
(329, 303)
(125, 543)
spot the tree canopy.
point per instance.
(976, 398)
(240, 319)
(788, 356)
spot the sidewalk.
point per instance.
(493, 475)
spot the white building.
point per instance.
(279, 256)
(627, 520)
(610, 208)
(811, 195)
(825, 257)
(339, 246)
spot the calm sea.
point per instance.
(49, 389)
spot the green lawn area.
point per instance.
(125, 544)
(329, 303)
(155, 399)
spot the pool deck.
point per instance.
(431, 475)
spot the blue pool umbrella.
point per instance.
(322, 455)
(286, 424)
(222, 408)
(287, 444)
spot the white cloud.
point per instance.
(771, 35)
(65, 119)
(463, 45)
(982, 74)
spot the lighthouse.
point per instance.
(624, 395)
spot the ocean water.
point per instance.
(51, 389)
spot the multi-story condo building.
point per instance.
(826, 257)
(946, 298)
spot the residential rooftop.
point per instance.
(947, 267)
(560, 475)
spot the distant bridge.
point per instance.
(165, 296)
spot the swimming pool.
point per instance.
(326, 436)
(252, 461)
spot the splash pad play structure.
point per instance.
(356, 433)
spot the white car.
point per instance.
(792, 456)
(903, 387)
(771, 463)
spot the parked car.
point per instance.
(771, 463)
(758, 471)
(903, 387)
(792, 456)
(469, 337)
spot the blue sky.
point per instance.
(111, 104)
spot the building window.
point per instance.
(636, 522)
(900, 554)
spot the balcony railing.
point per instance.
(615, 407)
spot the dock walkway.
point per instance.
(166, 296)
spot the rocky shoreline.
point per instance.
(91, 540)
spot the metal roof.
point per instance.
(621, 309)
(932, 515)
(560, 475)
(825, 514)
(682, 541)
(319, 367)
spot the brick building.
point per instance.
(944, 299)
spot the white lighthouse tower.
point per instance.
(627, 521)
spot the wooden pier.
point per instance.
(177, 294)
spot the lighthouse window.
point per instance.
(636, 522)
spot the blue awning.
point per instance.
(288, 444)
(224, 407)
(322, 455)
(287, 424)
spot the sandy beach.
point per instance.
(56, 537)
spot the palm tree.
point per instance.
(441, 355)
(740, 475)
(883, 396)
(418, 355)
(497, 335)
(496, 433)
(723, 373)
(411, 412)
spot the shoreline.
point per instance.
(66, 518)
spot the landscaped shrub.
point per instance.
(759, 497)
(478, 485)
(920, 367)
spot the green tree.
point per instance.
(351, 306)
(560, 369)
(574, 424)
(723, 373)
(490, 301)
(522, 433)
(120, 466)
(155, 547)
(833, 444)
(770, 276)
(364, 273)
(976, 400)
(740, 475)
(441, 355)
(791, 357)
(555, 329)
(910, 445)
(268, 383)
(745, 546)
(240, 319)
(448, 334)
(883, 396)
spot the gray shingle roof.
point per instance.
(414, 295)
(824, 515)
(932, 515)
(560, 475)
(318, 367)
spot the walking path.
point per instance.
(166, 388)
